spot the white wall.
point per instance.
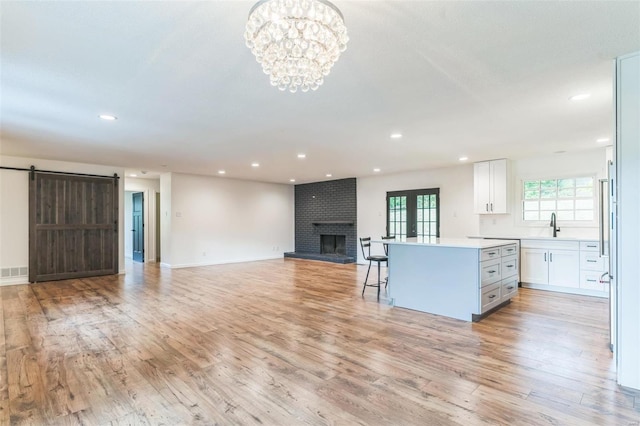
(14, 221)
(591, 162)
(14, 207)
(456, 201)
(165, 218)
(217, 220)
(149, 187)
(628, 226)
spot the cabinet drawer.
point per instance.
(591, 261)
(490, 253)
(589, 246)
(590, 280)
(509, 266)
(509, 288)
(491, 296)
(550, 245)
(509, 250)
(490, 272)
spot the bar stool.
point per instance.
(386, 253)
(366, 243)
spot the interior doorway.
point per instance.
(138, 226)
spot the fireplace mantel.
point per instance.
(332, 222)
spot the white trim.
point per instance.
(193, 265)
(13, 281)
(568, 290)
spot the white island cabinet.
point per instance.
(459, 278)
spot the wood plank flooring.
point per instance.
(292, 342)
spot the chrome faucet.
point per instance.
(553, 225)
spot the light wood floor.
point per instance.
(289, 342)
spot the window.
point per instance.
(570, 198)
(413, 213)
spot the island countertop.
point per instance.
(469, 243)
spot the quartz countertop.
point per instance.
(530, 237)
(471, 243)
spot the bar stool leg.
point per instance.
(379, 280)
(364, 287)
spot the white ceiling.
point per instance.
(481, 79)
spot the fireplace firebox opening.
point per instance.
(333, 244)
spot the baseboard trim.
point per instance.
(224, 262)
(567, 290)
(14, 281)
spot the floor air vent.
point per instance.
(20, 271)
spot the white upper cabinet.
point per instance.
(490, 187)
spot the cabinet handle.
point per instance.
(492, 296)
(491, 272)
(491, 253)
(591, 281)
(510, 287)
(550, 257)
(592, 261)
(487, 207)
(591, 246)
(509, 266)
(545, 257)
(491, 206)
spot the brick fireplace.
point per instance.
(326, 209)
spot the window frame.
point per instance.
(566, 223)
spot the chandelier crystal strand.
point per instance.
(296, 41)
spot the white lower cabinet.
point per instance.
(534, 265)
(592, 266)
(564, 266)
(568, 266)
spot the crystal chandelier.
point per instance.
(296, 41)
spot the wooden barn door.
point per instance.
(73, 226)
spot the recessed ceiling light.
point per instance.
(376, 170)
(108, 117)
(133, 175)
(302, 155)
(396, 135)
(292, 180)
(221, 172)
(580, 97)
(255, 164)
(328, 175)
(602, 140)
(463, 158)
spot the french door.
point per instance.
(414, 213)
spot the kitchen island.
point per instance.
(459, 278)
